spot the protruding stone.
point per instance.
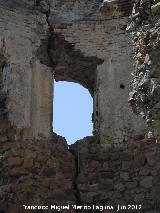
(3, 138)
(16, 172)
(131, 185)
(150, 158)
(144, 171)
(126, 165)
(119, 187)
(30, 154)
(14, 161)
(147, 182)
(124, 175)
(139, 198)
(156, 8)
(28, 163)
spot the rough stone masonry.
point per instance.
(84, 42)
(145, 92)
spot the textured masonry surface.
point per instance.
(84, 42)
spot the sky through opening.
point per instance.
(72, 111)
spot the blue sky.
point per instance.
(72, 111)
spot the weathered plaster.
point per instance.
(26, 82)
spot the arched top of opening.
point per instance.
(72, 65)
(72, 111)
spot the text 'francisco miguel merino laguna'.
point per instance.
(85, 207)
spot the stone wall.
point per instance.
(115, 166)
(26, 83)
(73, 10)
(103, 40)
(126, 175)
(93, 50)
(145, 87)
(115, 120)
(34, 172)
(45, 173)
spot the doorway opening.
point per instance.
(72, 111)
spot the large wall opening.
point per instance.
(72, 111)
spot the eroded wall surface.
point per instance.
(106, 39)
(90, 47)
(115, 120)
(111, 175)
(35, 173)
(145, 90)
(37, 167)
(26, 83)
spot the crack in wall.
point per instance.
(3, 96)
(53, 63)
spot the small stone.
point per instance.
(117, 194)
(124, 175)
(106, 175)
(44, 6)
(16, 172)
(28, 163)
(139, 198)
(30, 154)
(93, 150)
(147, 182)
(3, 139)
(146, 59)
(14, 161)
(119, 187)
(156, 8)
(144, 171)
(93, 164)
(92, 177)
(6, 146)
(37, 165)
(139, 54)
(81, 178)
(126, 165)
(49, 167)
(114, 157)
(157, 166)
(131, 185)
(139, 160)
(3, 205)
(106, 185)
(154, 172)
(106, 167)
(46, 182)
(150, 159)
(50, 163)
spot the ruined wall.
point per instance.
(90, 47)
(37, 167)
(118, 175)
(145, 87)
(104, 38)
(115, 120)
(26, 83)
(35, 172)
(73, 11)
